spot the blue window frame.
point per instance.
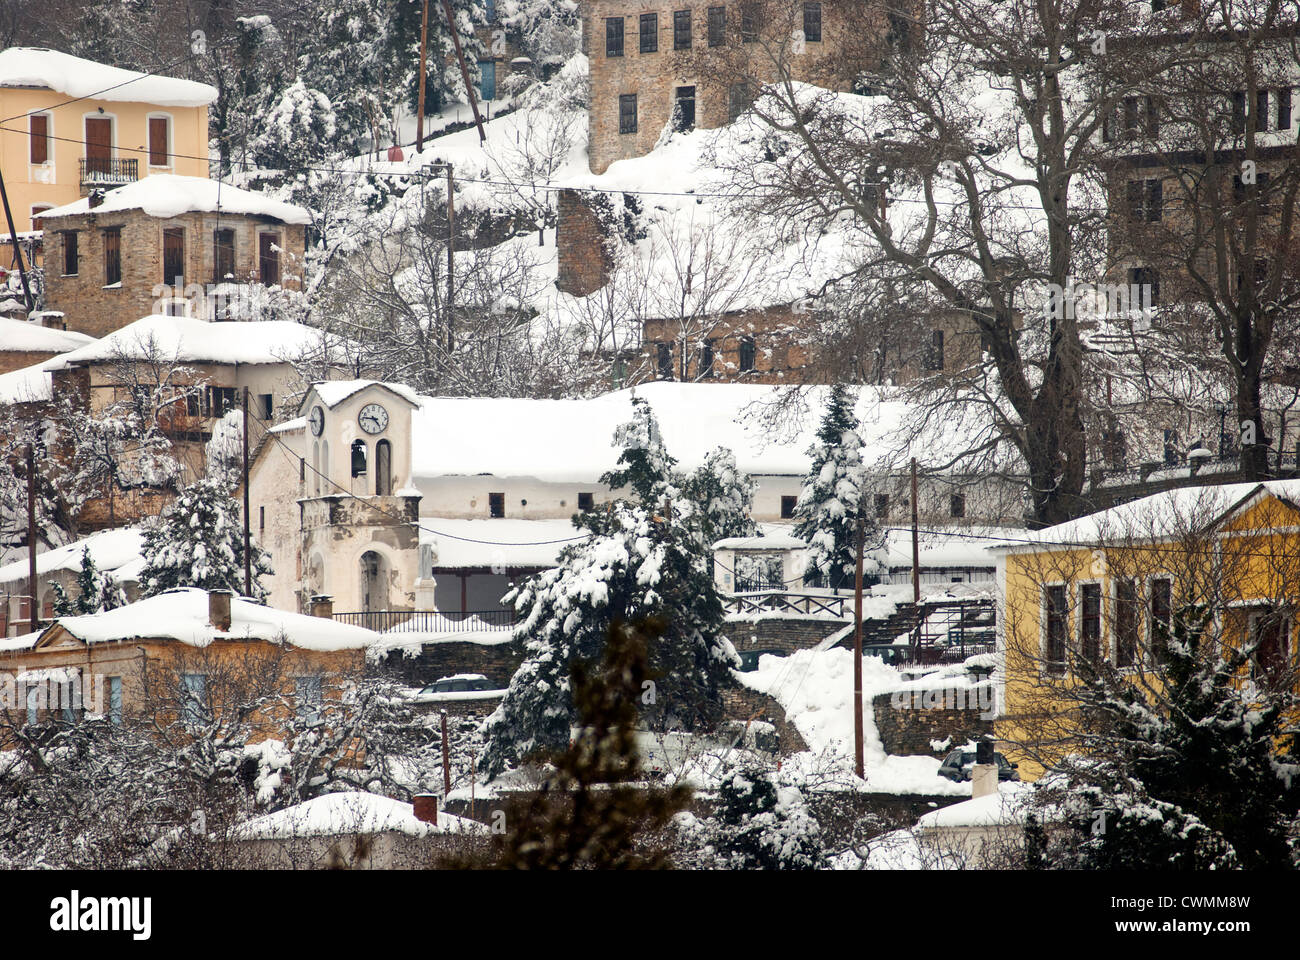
(487, 84)
(308, 690)
(115, 700)
(194, 698)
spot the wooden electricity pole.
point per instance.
(35, 619)
(424, 45)
(18, 252)
(464, 70)
(857, 653)
(446, 762)
(248, 554)
(916, 567)
(451, 256)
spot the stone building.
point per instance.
(166, 245)
(698, 65)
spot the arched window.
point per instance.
(315, 466)
(383, 469)
(324, 475)
(358, 458)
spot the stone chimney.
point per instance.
(426, 807)
(584, 263)
(322, 606)
(984, 775)
(219, 609)
(95, 198)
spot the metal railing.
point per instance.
(951, 631)
(115, 171)
(806, 604)
(428, 621)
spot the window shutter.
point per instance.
(158, 153)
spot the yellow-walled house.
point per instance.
(1108, 588)
(75, 125)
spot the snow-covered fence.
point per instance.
(429, 621)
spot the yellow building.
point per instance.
(73, 125)
(1108, 588)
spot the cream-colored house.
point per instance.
(82, 125)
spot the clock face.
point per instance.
(373, 418)
(317, 420)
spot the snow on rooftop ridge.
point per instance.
(77, 77)
(191, 340)
(182, 615)
(349, 813)
(166, 195)
(111, 550)
(23, 335)
(334, 392)
(26, 385)
(1007, 807)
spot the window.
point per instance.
(1161, 615)
(684, 109)
(748, 354)
(882, 506)
(1144, 287)
(268, 258)
(1090, 621)
(491, 11)
(223, 255)
(194, 698)
(899, 36)
(1126, 623)
(1271, 634)
(1241, 192)
(1284, 109)
(1239, 112)
(706, 358)
(627, 113)
(664, 360)
(99, 145)
(261, 521)
(787, 507)
(1261, 110)
(487, 79)
(383, 469)
(1054, 648)
(308, 694)
(748, 22)
(112, 256)
(173, 257)
(1145, 200)
(159, 142)
(71, 253)
(613, 36)
(812, 22)
(586, 502)
(218, 401)
(1131, 128)
(496, 505)
(267, 402)
(738, 100)
(38, 126)
(717, 26)
(115, 700)
(648, 29)
(957, 505)
(933, 359)
(69, 700)
(359, 457)
(682, 30)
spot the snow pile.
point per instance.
(182, 615)
(24, 335)
(165, 195)
(346, 814)
(26, 385)
(1007, 807)
(815, 687)
(75, 77)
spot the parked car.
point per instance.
(749, 658)
(892, 654)
(460, 683)
(959, 764)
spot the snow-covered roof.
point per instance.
(169, 195)
(75, 77)
(112, 550)
(351, 812)
(571, 440)
(26, 385)
(505, 542)
(191, 340)
(1163, 514)
(772, 541)
(334, 392)
(182, 615)
(953, 548)
(21, 335)
(1007, 807)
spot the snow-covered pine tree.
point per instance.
(724, 495)
(97, 591)
(761, 824)
(1196, 780)
(832, 496)
(198, 541)
(297, 132)
(644, 465)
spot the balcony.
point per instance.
(107, 172)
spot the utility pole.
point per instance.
(916, 564)
(857, 653)
(248, 555)
(18, 255)
(446, 761)
(464, 70)
(424, 44)
(31, 532)
(451, 254)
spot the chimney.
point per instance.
(426, 807)
(322, 606)
(219, 609)
(95, 198)
(984, 775)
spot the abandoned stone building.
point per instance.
(165, 245)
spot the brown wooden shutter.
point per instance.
(40, 136)
(158, 154)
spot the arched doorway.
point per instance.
(374, 588)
